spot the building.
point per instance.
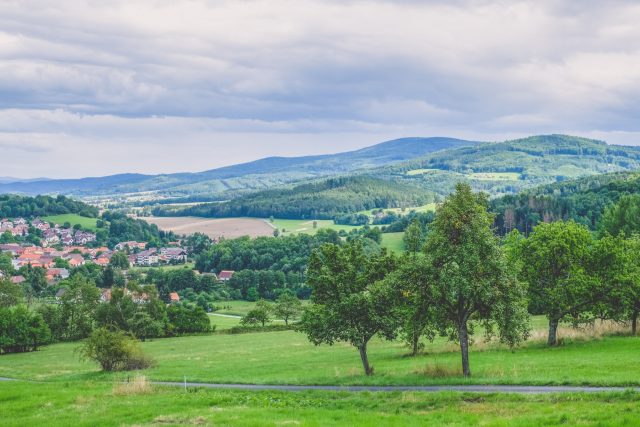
(148, 257)
(225, 275)
(174, 297)
(173, 254)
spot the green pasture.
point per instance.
(393, 242)
(305, 226)
(288, 358)
(109, 404)
(73, 219)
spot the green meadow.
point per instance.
(110, 404)
(393, 242)
(73, 219)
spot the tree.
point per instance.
(413, 285)
(7, 237)
(143, 326)
(413, 236)
(10, 294)
(79, 303)
(21, 330)
(37, 279)
(6, 266)
(622, 217)
(114, 351)
(472, 281)
(184, 320)
(554, 259)
(287, 306)
(119, 260)
(259, 314)
(349, 301)
(61, 263)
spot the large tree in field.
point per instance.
(473, 283)
(554, 261)
(349, 300)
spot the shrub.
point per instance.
(114, 351)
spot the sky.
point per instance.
(91, 88)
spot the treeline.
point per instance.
(122, 228)
(320, 200)
(136, 309)
(12, 206)
(285, 254)
(583, 201)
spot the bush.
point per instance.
(114, 351)
(250, 329)
(21, 330)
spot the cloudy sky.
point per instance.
(101, 87)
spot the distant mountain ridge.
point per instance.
(256, 175)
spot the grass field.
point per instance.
(288, 358)
(110, 404)
(424, 208)
(305, 226)
(73, 219)
(495, 176)
(393, 242)
(420, 171)
(68, 391)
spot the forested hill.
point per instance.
(582, 200)
(12, 206)
(319, 200)
(257, 175)
(512, 166)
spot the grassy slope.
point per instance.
(393, 242)
(73, 219)
(287, 357)
(96, 404)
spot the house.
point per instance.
(103, 260)
(20, 221)
(131, 245)
(40, 225)
(106, 295)
(225, 275)
(58, 273)
(75, 260)
(20, 230)
(67, 240)
(13, 248)
(147, 257)
(174, 254)
(17, 279)
(83, 237)
(174, 297)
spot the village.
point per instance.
(60, 249)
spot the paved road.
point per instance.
(518, 389)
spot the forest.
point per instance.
(318, 200)
(14, 206)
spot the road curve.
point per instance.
(517, 389)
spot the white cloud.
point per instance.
(91, 75)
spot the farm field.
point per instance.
(215, 228)
(424, 208)
(393, 241)
(109, 404)
(288, 358)
(304, 226)
(73, 219)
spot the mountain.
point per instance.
(512, 166)
(10, 179)
(325, 199)
(251, 176)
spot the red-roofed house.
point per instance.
(225, 275)
(174, 297)
(17, 279)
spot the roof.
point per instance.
(225, 274)
(17, 279)
(173, 296)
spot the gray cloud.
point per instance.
(97, 74)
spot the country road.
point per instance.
(514, 389)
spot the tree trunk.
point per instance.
(464, 348)
(634, 322)
(365, 360)
(415, 342)
(552, 339)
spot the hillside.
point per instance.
(582, 200)
(13, 206)
(318, 200)
(512, 166)
(257, 175)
